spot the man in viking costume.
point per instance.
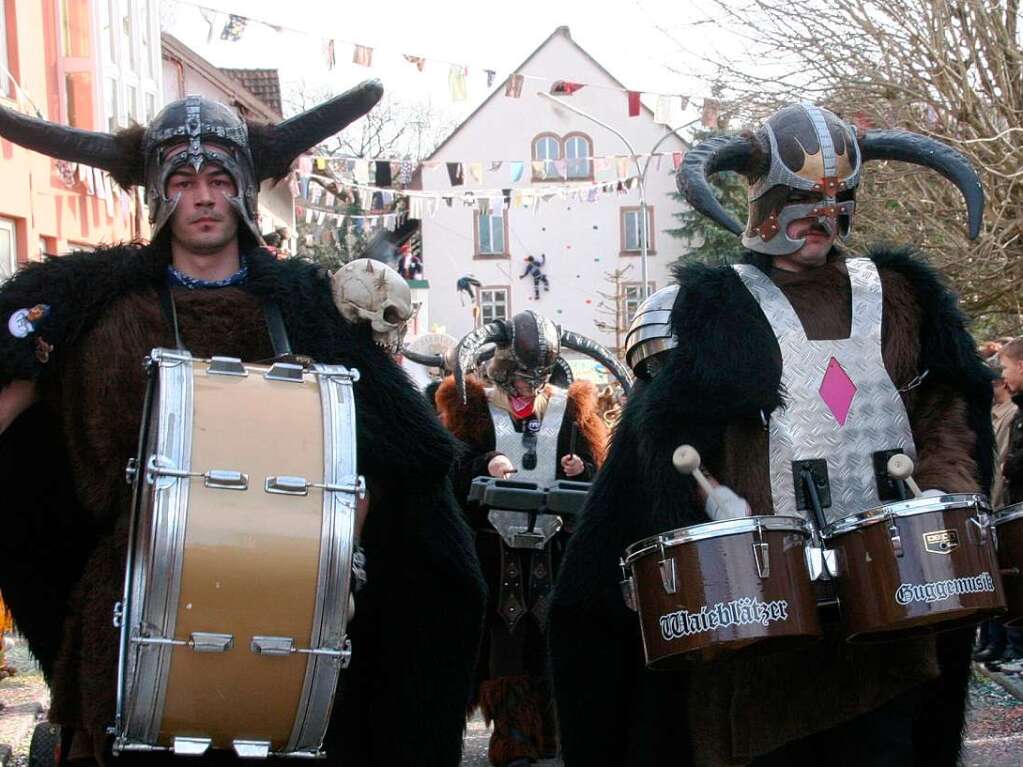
(748, 387)
(72, 385)
(516, 424)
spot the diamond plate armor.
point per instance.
(840, 404)
(509, 442)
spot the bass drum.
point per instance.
(1008, 522)
(238, 579)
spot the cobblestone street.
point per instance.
(994, 737)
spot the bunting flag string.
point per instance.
(231, 27)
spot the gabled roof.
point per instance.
(264, 83)
(246, 100)
(563, 31)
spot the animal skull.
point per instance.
(366, 290)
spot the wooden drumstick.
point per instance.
(686, 460)
(900, 466)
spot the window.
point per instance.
(113, 109)
(491, 235)
(494, 304)
(130, 61)
(6, 59)
(578, 153)
(8, 248)
(632, 232)
(546, 146)
(76, 65)
(632, 298)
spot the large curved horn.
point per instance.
(592, 349)
(274, 147)
(467, 352)
(712, 156)
(100, 150)
(930, 153)
(427, 360)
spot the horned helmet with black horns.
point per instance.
(194, 131)
(806, 162)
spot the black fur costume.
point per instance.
(725, 370)
(417, 626)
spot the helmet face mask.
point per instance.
(813, 173)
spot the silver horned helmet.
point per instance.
(250, 152)
(528, 346)
(805, 162)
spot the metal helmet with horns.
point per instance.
(527, 345)
(208, 131)
(808, 153)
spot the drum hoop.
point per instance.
(1008, 514)
(720, 529)
(909, 508)
(337, 539)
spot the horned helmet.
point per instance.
(806, 162)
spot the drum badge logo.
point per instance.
(941, 541)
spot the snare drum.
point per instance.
(1008, 523)
(715, 588)
(913, 566)
(233, 625)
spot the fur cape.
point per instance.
(723, 374)
(419, 550)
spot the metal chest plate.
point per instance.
(840, 403)
(509, 441)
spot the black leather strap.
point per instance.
(275, 326)
(170, 312)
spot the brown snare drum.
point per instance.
(917, 565)
(1008, 523)
(707, 590)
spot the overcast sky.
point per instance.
(623, 37)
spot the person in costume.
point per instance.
(739, 394)
(520, 417)
(72, 386)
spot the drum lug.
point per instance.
(893, 531)
(762, 557)
(628, 587)
(669, 578)
(118, 614)
(982, 524)
(191, 746)
(251, 749)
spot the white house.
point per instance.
(582, 240)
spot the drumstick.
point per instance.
(686, 460)
(900, 466)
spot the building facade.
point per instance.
(584, 243)
(87, 63)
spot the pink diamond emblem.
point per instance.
(837, 390)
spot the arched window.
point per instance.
(578, 150)
(546, 147)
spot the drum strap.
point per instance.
(170, 313)
(271, 311)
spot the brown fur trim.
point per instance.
(470, 422)
(131, 171)
(582, 406)
(510, 703)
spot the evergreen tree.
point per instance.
(710, 243)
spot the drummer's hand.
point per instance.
(723, 503)
(932, 493)
(572, 465)
(500, 467)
